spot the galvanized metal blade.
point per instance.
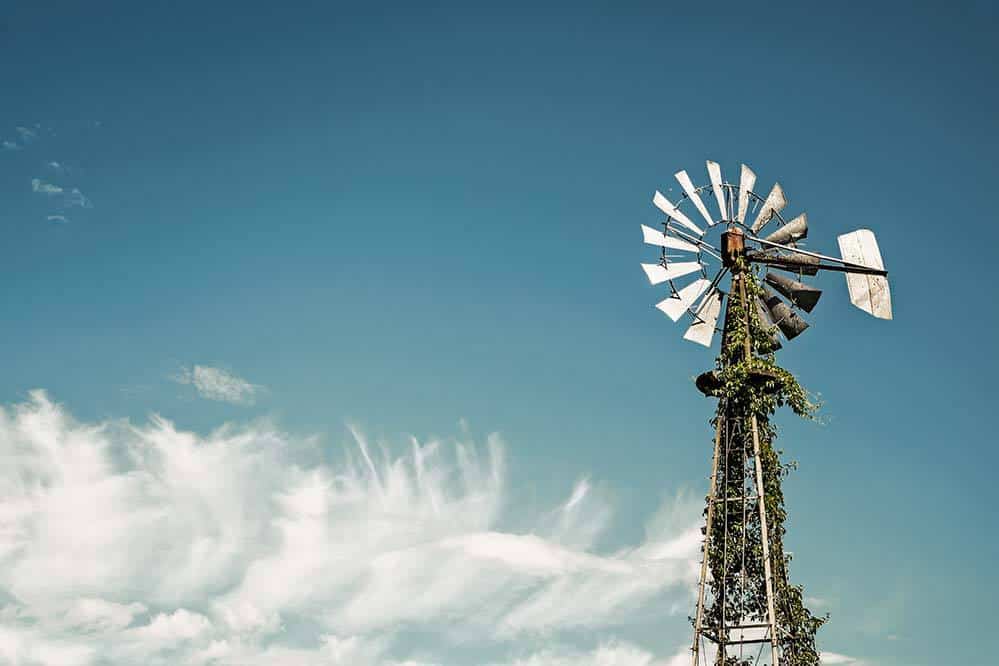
(747, 179)
(666, 206)
(870, 293)
(793, 231)
(658, 274)
(774, 203)
(789, 323)
(802, 295)
(676, 305)
(768, 322)
(714, 173)
(703, 328)
(691, 191)
(656, 237)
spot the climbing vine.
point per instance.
(751, 386)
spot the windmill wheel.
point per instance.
(691, 260)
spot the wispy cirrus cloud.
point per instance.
(23, 136)
(831, 658)
(124, 544)
(218, 384)
(61, 196)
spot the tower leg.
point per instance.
(707, 535)
(767, 572)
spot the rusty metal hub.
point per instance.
(733, 246)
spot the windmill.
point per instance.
(745, 601)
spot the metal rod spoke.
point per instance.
(690, 238)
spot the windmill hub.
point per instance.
(733, 246)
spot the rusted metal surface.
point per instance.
(733, 246)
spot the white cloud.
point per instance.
(123, 544)
(41, 187)
(607, 654)
(218, 384)
(100, 616)
(58, 219)
(830, 658)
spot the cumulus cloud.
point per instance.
(218, 384)
(57, 219)
(124, 544)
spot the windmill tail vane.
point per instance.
(747, 612)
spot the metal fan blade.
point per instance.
(746, 181)
(870, 293)
(768, 322)
(793, 231)
(774, 203)
(802, 295)
(790, 324)
(658, 274)
(656, 237)
(688, 187)
(714, 173)
(675, 306)
(786, 259)
(703, 328)
(666, 206)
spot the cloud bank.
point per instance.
(146, 544)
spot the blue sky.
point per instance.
(425, 220)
